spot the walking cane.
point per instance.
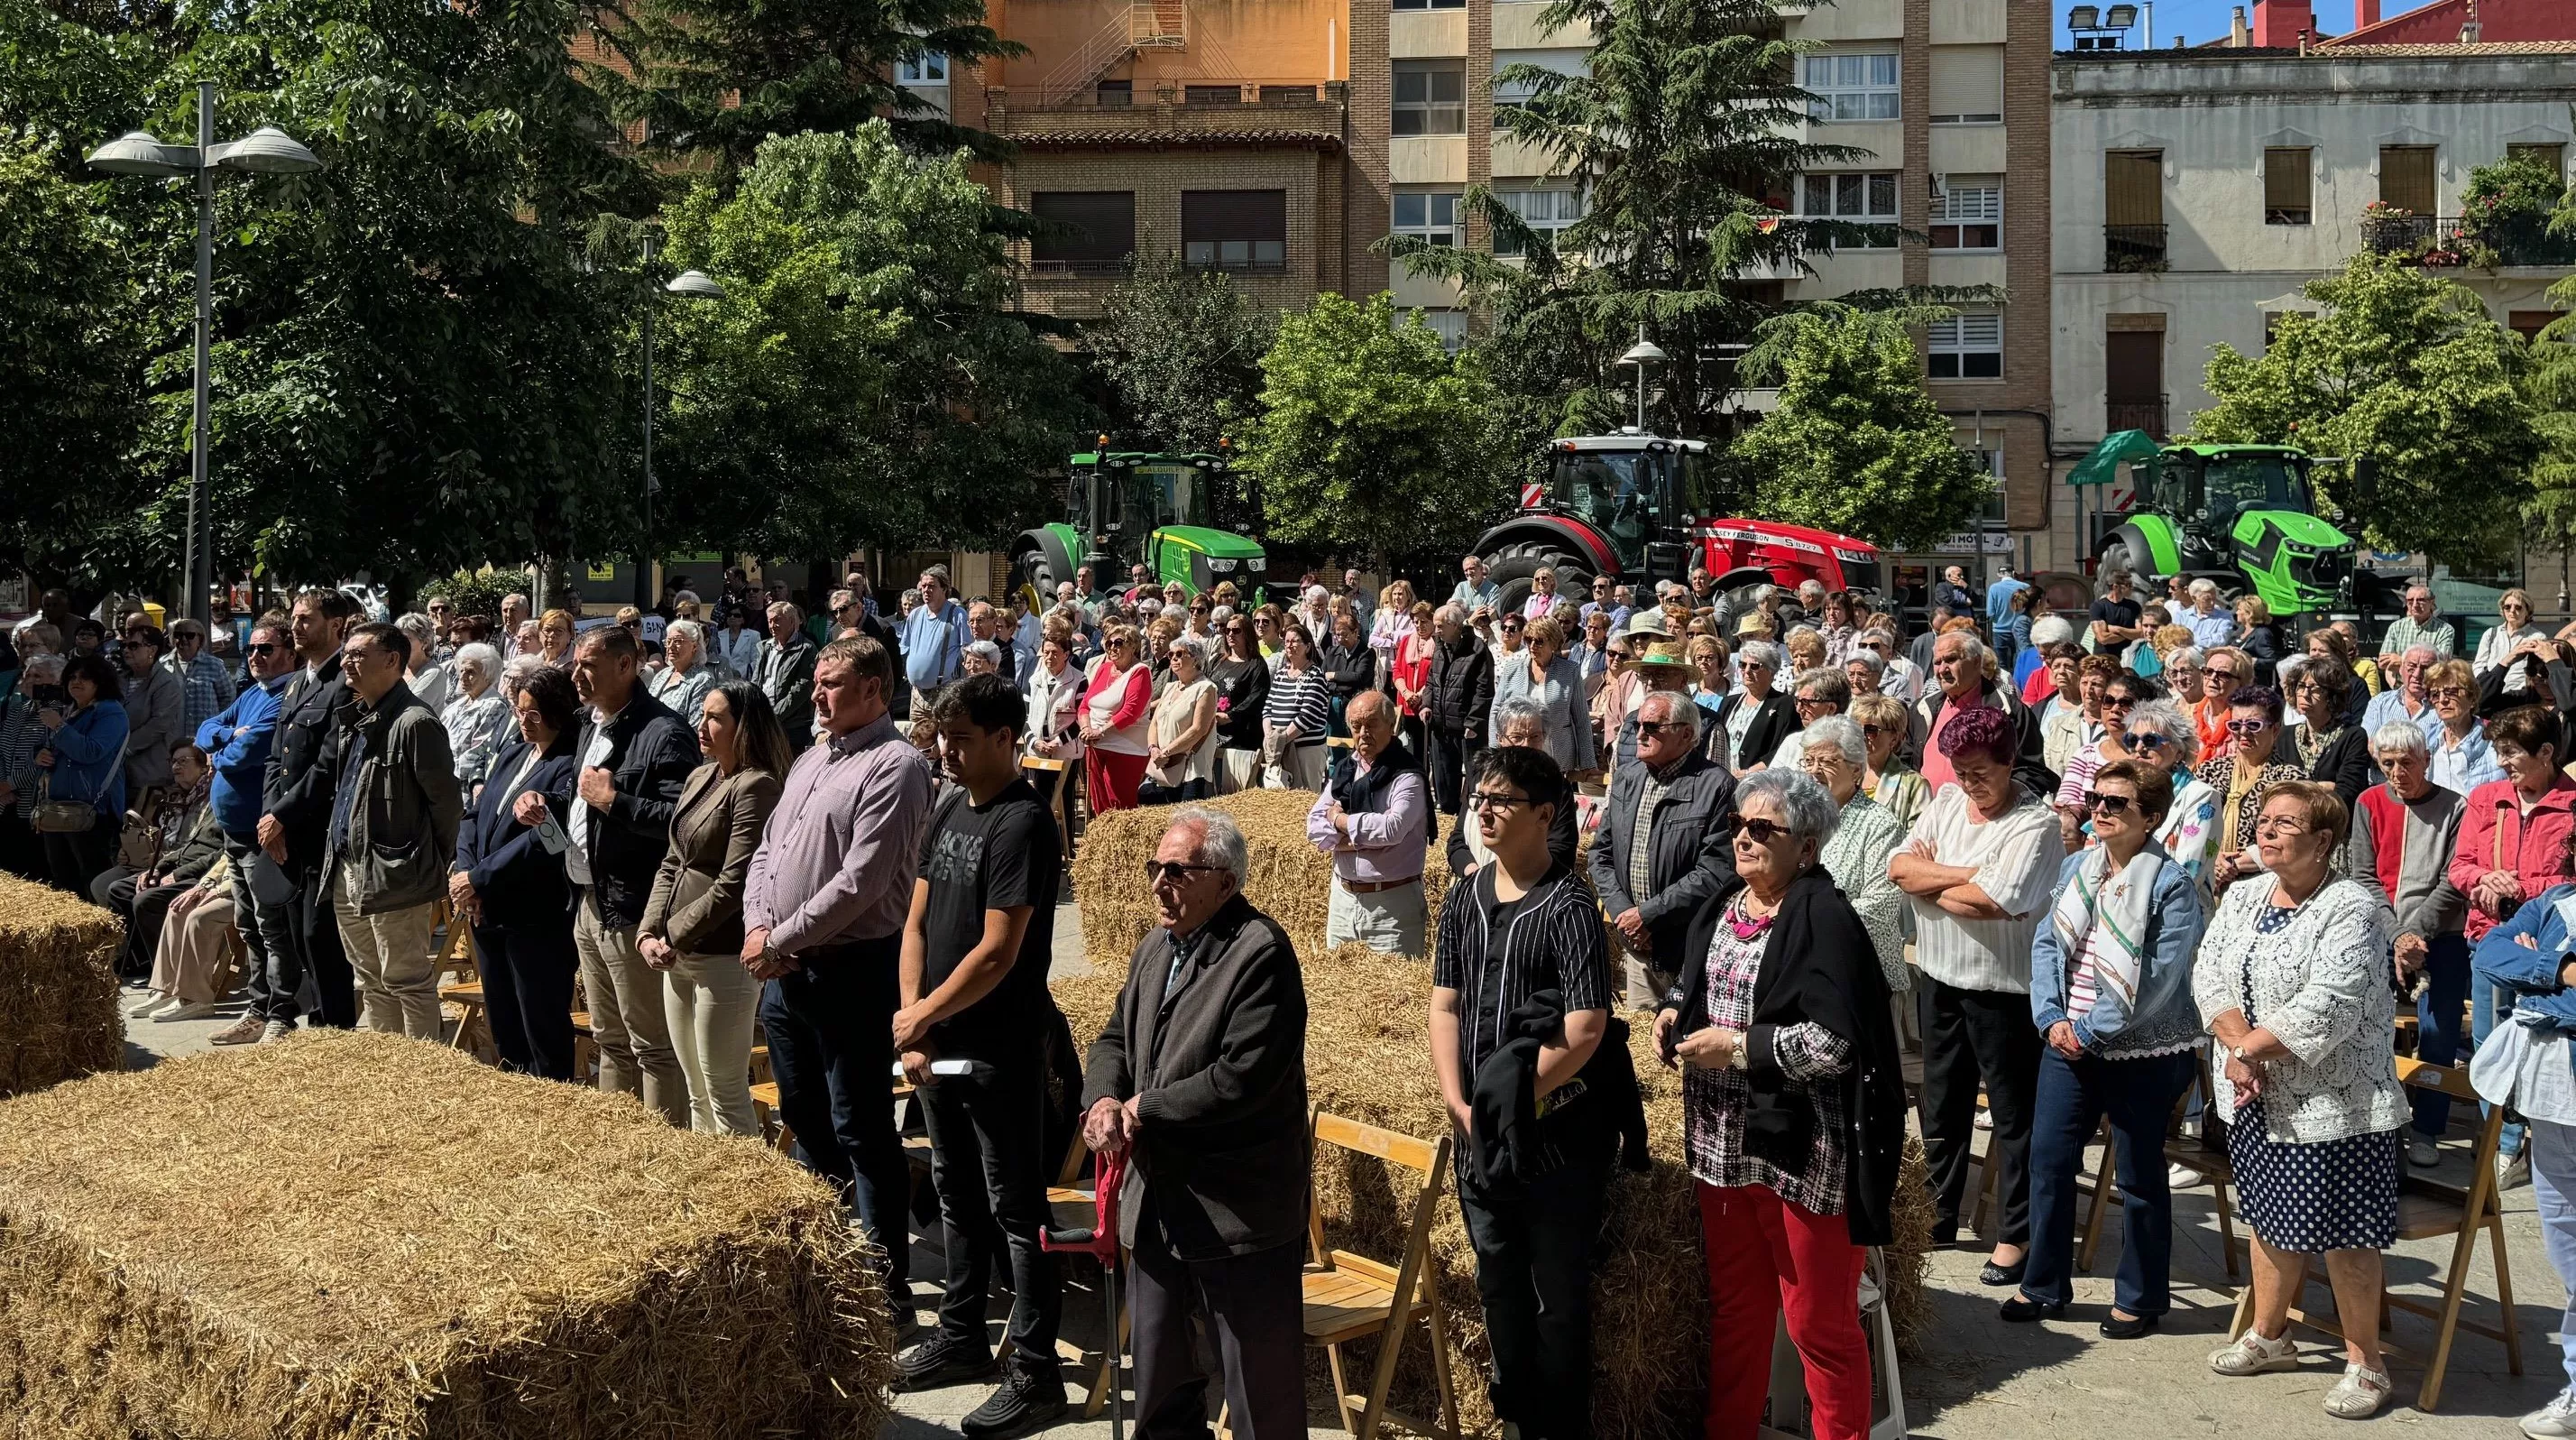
(1100, 1242)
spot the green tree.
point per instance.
(2405, 370)
(1180, 349)
(71, 361)
(715, 78)
(2550, 385)
(1372, 438)
(861, 384)
(1856, 444)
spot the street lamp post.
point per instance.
(1639, 355)
(694, 285)
(264, 151)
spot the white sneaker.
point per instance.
(2359, 1394)
(2512, 1171)
(198, 1010)
(2179, 1176)
(2422, 1153)
(2553, 1421)
(275, 1030)
(2254, 1355)
(152, 1007)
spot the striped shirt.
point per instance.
(1303, 699)
(1496, 956)
(2016, 856)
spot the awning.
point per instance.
(2127, 447)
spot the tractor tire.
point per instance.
(2117, 556)
(1505, 566)
(1033, 578)
(1573, 578)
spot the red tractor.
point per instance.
(1639, 509)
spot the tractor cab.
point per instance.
(1127, 507)
(2208, 486)
(2242, 515)
(1637, 493)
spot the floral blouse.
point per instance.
(1715, 1102)
(2236, 832)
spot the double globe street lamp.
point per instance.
(264, 151)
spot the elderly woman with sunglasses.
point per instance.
(1793, 1110)
(1886, 727)
(2498, 647)
(2331, 745)
(2293, 981)
(2242, 775)
(2121, 695)
(2160, 734)
(2110, 993)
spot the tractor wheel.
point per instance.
(1573, 578)
(1033, 579)
(2117, 556)
(1515, 563)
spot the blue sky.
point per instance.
(2199, 20)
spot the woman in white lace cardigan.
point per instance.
(2293, 980)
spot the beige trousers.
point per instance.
(709, 1001)
(390, 956)
(194, 950)
(629, 1018)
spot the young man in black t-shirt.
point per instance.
(975, 954)
(2115, 617)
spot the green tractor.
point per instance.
(1129, 507)
(2242, 515)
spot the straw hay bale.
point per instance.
(1291, 881)
(354, 1234)
(1368, 1058)
(57, 988)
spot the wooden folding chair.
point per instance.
(1060, 804)
(1352, 1297)
(2213, 1167)
(2428, 1209)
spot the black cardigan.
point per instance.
(1772, 723)
(1832, 978)
(2345, 764)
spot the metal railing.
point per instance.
(2147, 415)
(2128, 249)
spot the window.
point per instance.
(1967, 84)
(1430, 4)
(2272, 323)
(1863, 199)
(1991, 515)
(1968, 347)
(1428, 214)
(1235, 230)
(1287, 94)
(2406, 178)
(2289, 186)
(1430, 97)
(925, 69)
(1212, 94)
(2550, 156)
(1563, 61)
(1852, 87)
(2529, 323)
(1449, 325)
(1103, 226)
(1115, 94)
(1546, 211)
(1968, 213)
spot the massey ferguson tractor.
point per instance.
(1641, 509)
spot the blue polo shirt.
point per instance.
(236, 741)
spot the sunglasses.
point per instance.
(2149, 740)
(1658, 727)
(2447, 692)
(2119, 702)
(2216, 674)
(1875, 731)
(1761, 831)
(2097, 803)
(2248, 727)
(1513, 626)
(1158, 871)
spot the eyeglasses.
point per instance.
(1513, 626)
(2248, 726)
(1158, 871)
(2214, 673)
(1481, 800)
(2149, 740)
(2447, 692)
(1803, 701)
(1759, 830)
(1874, 731)
(2274, 827)
(2119, 702)
(2097, 803)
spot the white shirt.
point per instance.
(577, 856)
(1901, 680)
(2016, 857)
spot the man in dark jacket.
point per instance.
(634, 756)
(1457, 706)
(1201, 1075)
(1666, 844)
(784, 672)
(394, 812)
(298, 821)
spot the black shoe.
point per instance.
(2021, 1310)
(941, 1360)
(2116, 1328)
(1995, 1274)
(1025, 1402)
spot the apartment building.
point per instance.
(2197, 190)
(1219, 131)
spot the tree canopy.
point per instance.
(2406, 370)
(1856, 444)
(1372, 438)
(863, 382)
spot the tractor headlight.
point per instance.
(1220, 565)
(1255, 564)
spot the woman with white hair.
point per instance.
(2160, 735)
(2045, 631)
(421, 670)
(983, 657)
(478, 716)
(1753, 720)
(686, 676)
(1834, 754)
(1180, 754)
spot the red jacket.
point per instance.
(2495, 835)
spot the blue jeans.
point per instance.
(2553, 1189)
(2489, 1006)
(830, 1024)
(2437, 1032)
(2073, 1097)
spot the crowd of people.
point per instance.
(2164, 860)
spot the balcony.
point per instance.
(2133, 249)
(2405, 234)
(2147, 415)
(1225, 113)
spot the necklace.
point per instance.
(1744, 924)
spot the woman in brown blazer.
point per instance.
(692, 928)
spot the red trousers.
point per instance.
(1765, 1254)
(1109, 779)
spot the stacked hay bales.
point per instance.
(1368, 1058)
(352, 1235)
(1291, 881)
(58, 1015)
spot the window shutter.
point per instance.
(1234, 215)
(2406, 177)
(2135, 192)
(2286, 180)
(1967, 82)
(1106, 218)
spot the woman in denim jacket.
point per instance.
(2528, 957)
(2110, 990)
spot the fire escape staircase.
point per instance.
(1147, 25)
